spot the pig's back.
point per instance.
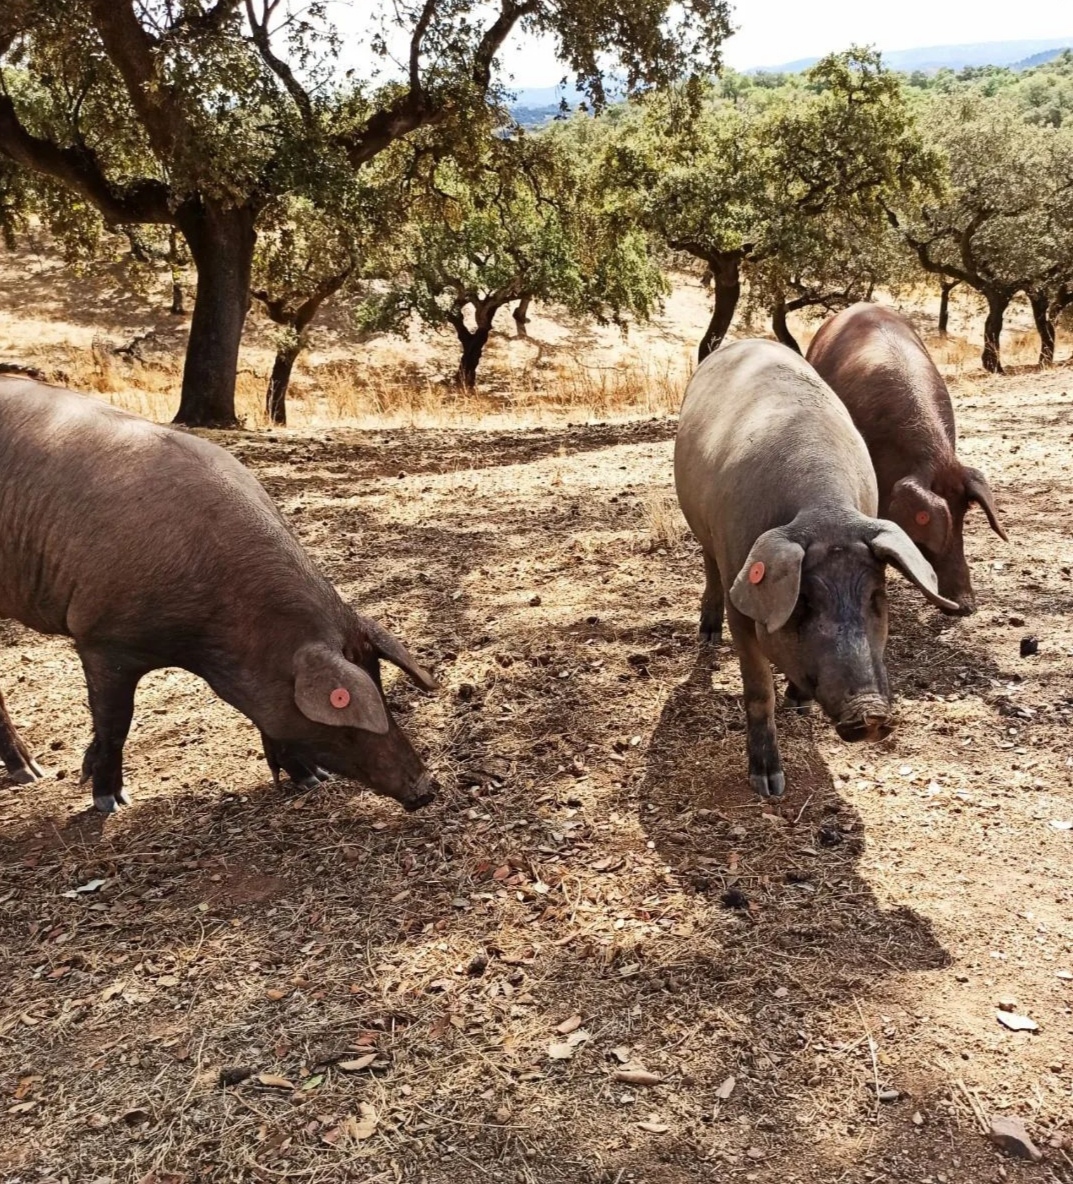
(877, 364)
(109, 521)
(761, 437)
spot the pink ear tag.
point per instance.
(923, 518)
(756, 572)
(340, 698)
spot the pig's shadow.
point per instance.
(796, 859)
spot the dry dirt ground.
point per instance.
(228, 982)
(595, 854)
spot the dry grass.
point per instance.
(664, 524)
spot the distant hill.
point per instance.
(536, 105)
(1016, 54)
(1041, 58)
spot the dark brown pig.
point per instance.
(875, 362)
(776, 485)
(151, 548)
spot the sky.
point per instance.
(771, 32)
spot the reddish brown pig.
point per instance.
(876, 363)
(152, 548)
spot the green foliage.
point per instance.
(520, 217)
(787, 183)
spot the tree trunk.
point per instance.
(221, 241)
(1041, 314)
(521, 316)
(726, 274)
(473, 343)
(278, 383)
(945, 288)
(176, 274)
(997, 303)
(781, 328)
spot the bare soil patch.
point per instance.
(596, 854)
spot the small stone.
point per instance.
(1011, 1136)
(1015, 1022)
(918, 1118)
(534, 601)
(889, 1095)
(1006, 1003)
(1029, 646)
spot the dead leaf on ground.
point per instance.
(726, 1089)
(364, 1126)
(564, 1050)
(356, 1066)
(568, 1026)
(637, 1076)
(274, 1081)
(656, 1128)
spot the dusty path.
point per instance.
(595, 817)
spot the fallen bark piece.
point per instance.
(1011, 1136)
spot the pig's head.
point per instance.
(816, 590)
(339, 720)
(932, 512)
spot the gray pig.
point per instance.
(776, 485)
(152, 548)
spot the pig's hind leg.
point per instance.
(20, 764)
(711, 605)
(765, 765)
(111, 683)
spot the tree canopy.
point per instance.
(199, 114)
(522, 219)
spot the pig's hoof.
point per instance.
(312, 779)
(710, 632)
(28, 774)
(106, 803)
(122, 798)
(768, 785)
(797, 700)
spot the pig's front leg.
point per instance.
(111, 682)
(711, 604)
(303, 775)
(17, 759)
(765, 765)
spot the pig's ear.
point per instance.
(891, 544)
(331, 690)
(768, 585)
(392, 650)
(978, 490)
(922, 514)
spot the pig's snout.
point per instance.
(865, 719)
(422, 793)
(966, 606)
